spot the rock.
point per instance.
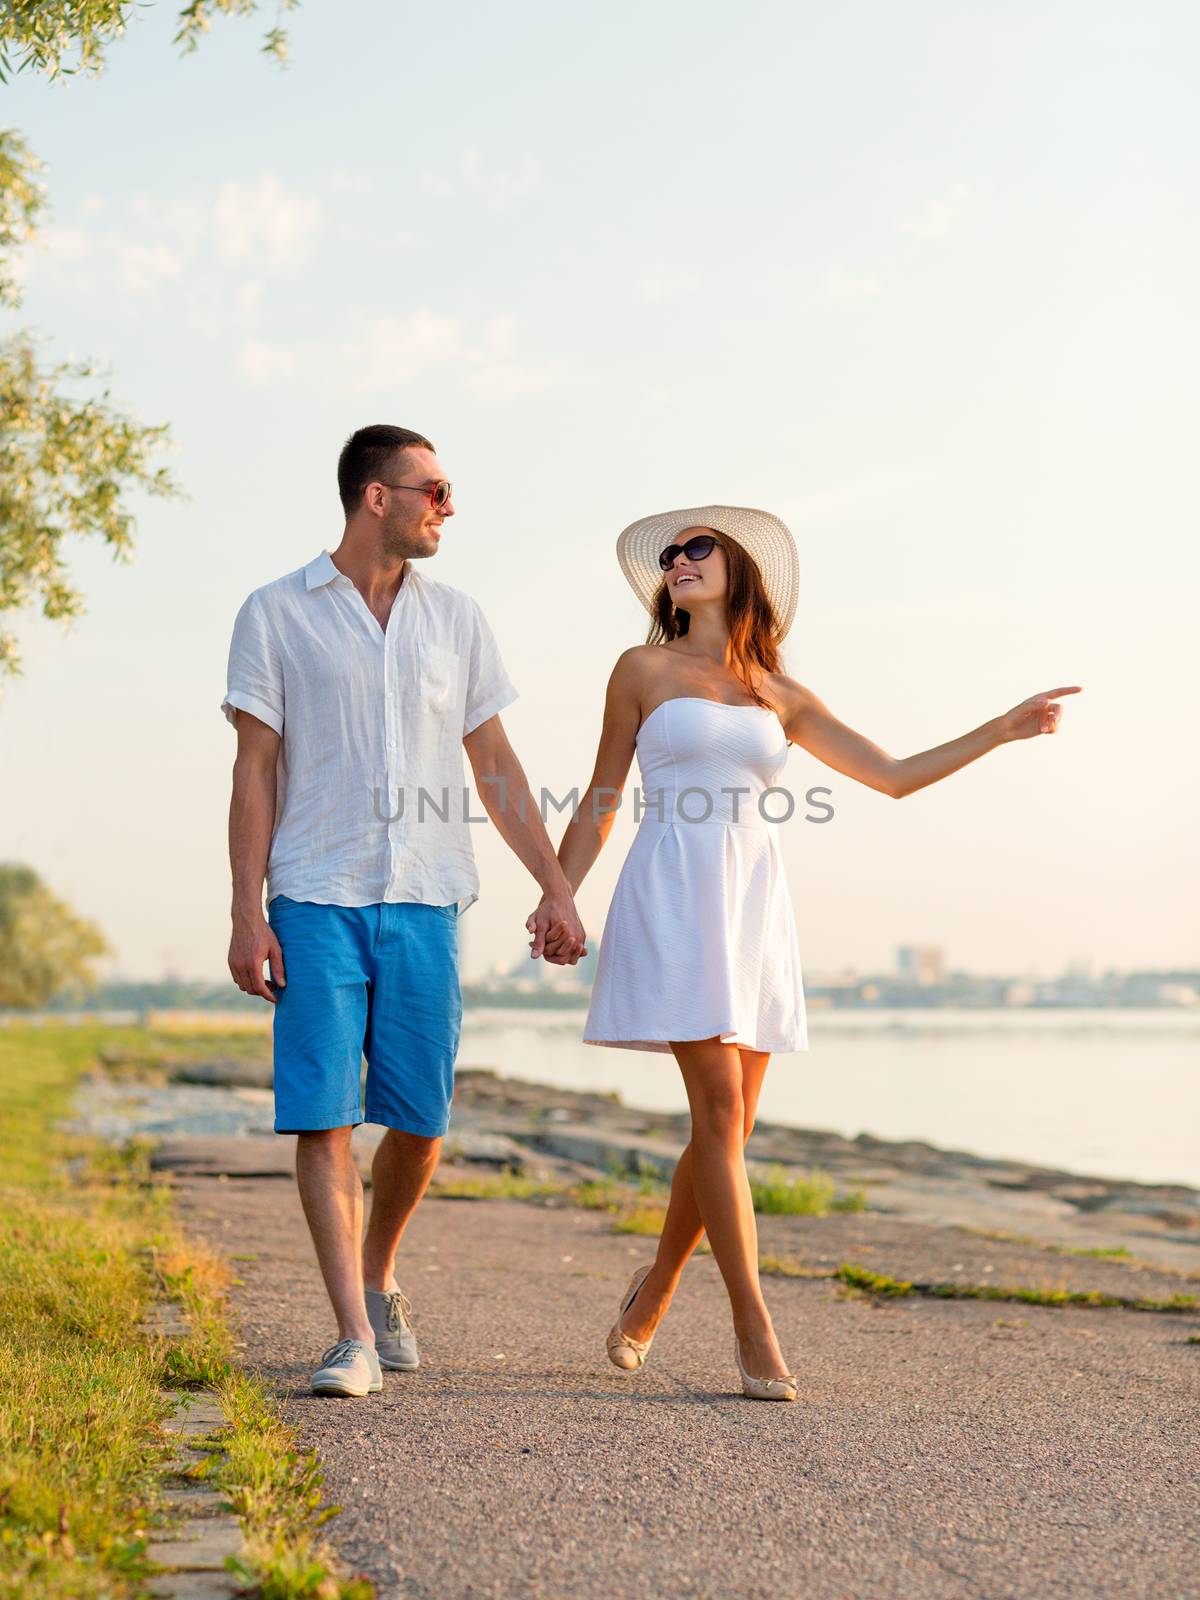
(1148, 1206)
(195, 1586)
(598, 1148)
(486, 1149)
(264, 1156)
(200, 1544)
(226, 1071)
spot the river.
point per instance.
(1115, 1093)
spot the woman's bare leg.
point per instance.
(682, 1227)
(712, 1073)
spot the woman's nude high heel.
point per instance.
(624, 1352)
(784, 1388)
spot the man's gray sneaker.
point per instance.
(348, 1367)
(395, 1341)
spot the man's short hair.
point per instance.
(369, 456)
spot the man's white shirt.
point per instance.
(368, 721)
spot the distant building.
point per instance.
(924, 964)
(528, 977)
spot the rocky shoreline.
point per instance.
(215, 1114)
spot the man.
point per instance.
(355, 683)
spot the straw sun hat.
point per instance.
(762, 536)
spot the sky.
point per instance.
(919, 279)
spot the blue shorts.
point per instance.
(379, 981)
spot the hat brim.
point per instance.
(766, 539)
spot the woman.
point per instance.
(699, 955)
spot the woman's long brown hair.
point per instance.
(753, 625)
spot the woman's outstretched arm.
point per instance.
(808, 722)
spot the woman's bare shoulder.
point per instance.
(637, 665)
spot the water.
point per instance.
(1111, 1093)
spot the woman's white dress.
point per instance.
(700, 940)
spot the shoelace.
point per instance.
(344, 1350)
(398, 1308)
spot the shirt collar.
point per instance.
(321, 570)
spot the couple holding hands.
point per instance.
(355, 683)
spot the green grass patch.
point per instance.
(783, 1267)
(781, 1192)
(150, 1054)
(862, 1280)
(645, 1220)
(1054, 1296)
(602, 1195)
(876, 1283)
(274, 1488)
(1112, 1252)
(87, 1241)
(504, 1185)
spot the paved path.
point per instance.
(939, 1449)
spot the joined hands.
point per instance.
(558, 934)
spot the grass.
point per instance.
(645, 1220)
(637, 1201)
(781, 1193)
(148, 1054)
(862, 1280)
(87, 1240)
(1115, 1251)
(274, 1488)
(503, 1185)
(784, 1267)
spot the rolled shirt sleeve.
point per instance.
(255, 675)
(489, 687)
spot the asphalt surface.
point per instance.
(938, 1448)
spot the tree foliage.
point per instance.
(69, 460)
(22, 197)
(46, 950)
(67, 464)
(65, 37)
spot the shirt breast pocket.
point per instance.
(438, 683)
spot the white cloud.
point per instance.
(497, 186)
(340, 181)
(661, 286)
(501, 335)
(839, 287)
(939, 215)
(105, 257)
(142, 265)
(259, 224)
(264, 221)
(260, 362)
(435, 183)
(499, 381)
(395, 349)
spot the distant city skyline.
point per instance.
(515, 986)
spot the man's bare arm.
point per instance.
(251, 819)
(504, 790)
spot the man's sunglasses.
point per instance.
(695, 550)
(439, 495)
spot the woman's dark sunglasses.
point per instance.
(439, 494)
(695, 550)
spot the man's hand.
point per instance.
(254, 942)
(557, 931)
